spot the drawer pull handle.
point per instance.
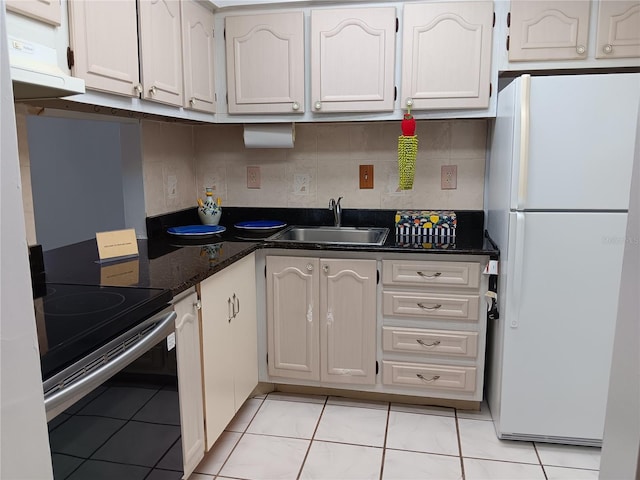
(432, 379)
(435, 307)
(434, 344)
(435, 275)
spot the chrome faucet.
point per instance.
(337, 211)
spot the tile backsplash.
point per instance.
(180, 161)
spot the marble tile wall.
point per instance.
(22, 111)
(180, 161)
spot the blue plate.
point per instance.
(260, 225)
(196, 231)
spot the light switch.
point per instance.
(366, 176)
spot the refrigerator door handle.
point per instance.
(525, 117)
(518, 269)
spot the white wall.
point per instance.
(621, 445)
(24, 442)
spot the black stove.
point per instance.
(73, 320)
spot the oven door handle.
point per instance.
(84, 382)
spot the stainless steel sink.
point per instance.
(332, 235)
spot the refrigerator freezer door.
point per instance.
(581, 140)
(564, 277)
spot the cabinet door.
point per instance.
(198, 48)
(47, 11)
(161, 51)
(292, 317)
(548, 30)
(244, 329)
(190, 382)
(265, 63)
(352, 59)
(618, 34)
(348, 321)
(217, 355)
(105, 61)
(446, 56)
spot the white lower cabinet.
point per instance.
(434, 328)
(421, 331)
(321, 319)
(189, 381)
(229, 343)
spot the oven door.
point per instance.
(74, 382)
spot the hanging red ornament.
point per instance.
(408, 125)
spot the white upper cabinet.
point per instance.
(548, 30)
(105, 61)
(47, 11)
(161, 46)
(618, 30)
(446, 55)
(198, 56)
(265, 63)
(352, 59)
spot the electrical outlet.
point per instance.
(366, 176)
(253, 177)
(172, 186)
(449, 177)
(301, 184)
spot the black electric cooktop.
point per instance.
(74, 320)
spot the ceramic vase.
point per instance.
(208, 210)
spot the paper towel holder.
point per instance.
(269, 135)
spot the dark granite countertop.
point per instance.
(176, 264)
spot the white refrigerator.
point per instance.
(558, 184)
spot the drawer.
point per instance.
(440, 342)
(451, 274)
(426, 305)
(429, 377)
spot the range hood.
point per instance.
(35, 72)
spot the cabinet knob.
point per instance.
(192, 101)
(295, 106)
(580, 49)
(325, 268)
(317, 105)
(608, 48)
(138, 89)
(152, 90)
(409, 102)
(309, 267)
(198, 305)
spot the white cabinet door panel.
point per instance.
(108, 66)
(348, 321)
(352, 59)
(161, 47)
(265, 63)
(292, 317)
(447, 55)
(198, 56)
(190, 382)
(548, 30)
(618, 29)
